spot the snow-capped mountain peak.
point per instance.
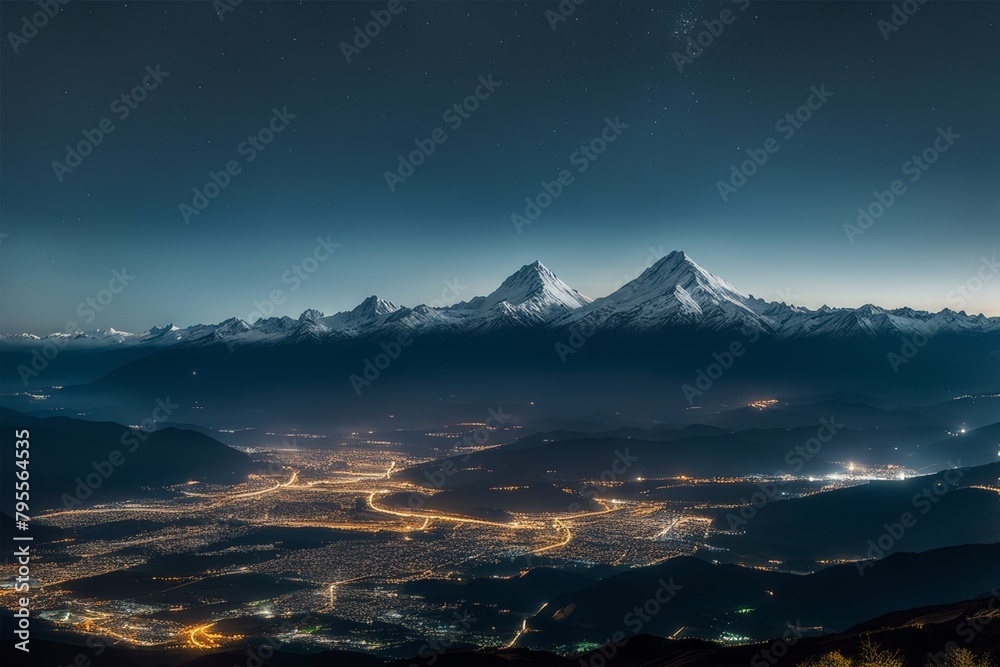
(369, 313)
(679, 274)
(673, 293)
(533, 283)
(232, 327)
(373, 306)
(311, 315)
(532, 295)
(275, 324)
(160, 331)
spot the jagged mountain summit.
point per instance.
(369, 313)
(675, 293)
(531, 295)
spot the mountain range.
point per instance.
(675, 293)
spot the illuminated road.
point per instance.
(84, 510)
(532, 532)
(226, 498)
(209, 640)
(564, 542)
(253, 494)
(524, 626)
(515, 525)
(666, 530)
(193, 638)
(436, 517)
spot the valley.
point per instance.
(384, 538)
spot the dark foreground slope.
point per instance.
(954, 507)
(92, 462)
(694, 597)
(334, 384)
(921, 636)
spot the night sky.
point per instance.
(779, 236)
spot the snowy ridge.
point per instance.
(673, 294)
(532, 295)
(532, 284)
(369, 313)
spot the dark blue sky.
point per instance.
(654, 186)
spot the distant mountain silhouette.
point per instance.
(915, 633)
(522, 593)
(844, 523)
(727, 598)
(73, 458)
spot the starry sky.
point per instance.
(780, 235)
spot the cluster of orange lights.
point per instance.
(201, 638)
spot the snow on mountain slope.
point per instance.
(873, 322)
(532, 295)
(673, 293)
(275, 324)
(369, 313)
(311, 315)
(532, 284)
(95, 338)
